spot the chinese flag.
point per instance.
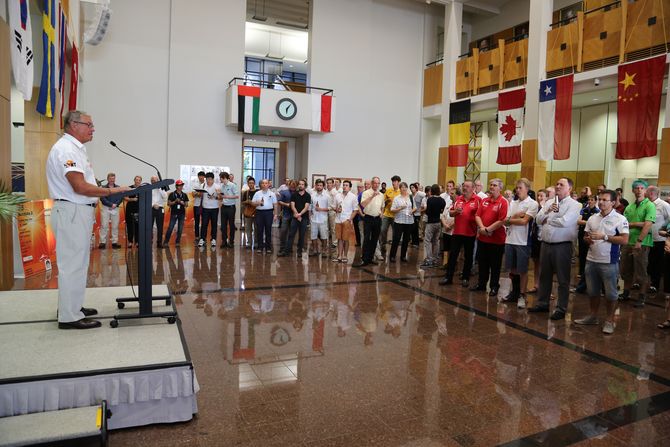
(638, 107)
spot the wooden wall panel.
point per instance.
(432, 85)
(489, 68)
(562, 47)
(593, 4)
(516, 60)
(639, 33)
(599, 46)
(466, 73)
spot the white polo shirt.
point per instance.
(210, 199)
(614, 224)
(521, 234)
(158, 198)
(662, 219)
(68, 155)
(269, 199)
(197, 201)
(349, 204)
(321, 199)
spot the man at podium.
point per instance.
(73, 188)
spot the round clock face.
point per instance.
(286, 109)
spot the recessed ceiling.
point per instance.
(292, 14)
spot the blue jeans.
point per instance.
(599, 275)
(175, 218)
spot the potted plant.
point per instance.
(9, 207)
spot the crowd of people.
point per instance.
(609, 237)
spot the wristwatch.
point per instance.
(605, 238)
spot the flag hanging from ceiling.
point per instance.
(638, 108)
(21, 46)
(510, 126)
(47, 99)
(248, 107)
(459, 133)
(555, 118)
(62, 39)
(322, 112)
(74, 78)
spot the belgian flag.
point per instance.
(459, 133)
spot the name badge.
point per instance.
(178, 206)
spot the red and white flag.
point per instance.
(555, 123)
(510, 126)
(322, 112)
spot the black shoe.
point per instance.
(84, 323)
(557, 315)
(511, 298)
(89, 311)
(477, 288)
(625, 295)
(537, 309)
(493, 292)
(116, 246)
(101, 246)
(446, 282)
(636, 286)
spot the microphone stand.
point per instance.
(160, 178)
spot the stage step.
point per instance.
(61, 427)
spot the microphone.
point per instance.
(113, 144)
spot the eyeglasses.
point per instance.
(90, 125)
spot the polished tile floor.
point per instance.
(310, 352)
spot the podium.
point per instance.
(145, 267)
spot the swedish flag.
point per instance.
(47, 100)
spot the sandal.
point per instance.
(533, 290)
(664, 325)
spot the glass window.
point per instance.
(259, 162)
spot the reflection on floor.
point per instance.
(311, 352)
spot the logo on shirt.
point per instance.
(70, 164)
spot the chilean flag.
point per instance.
(555, 118)
(510, 126)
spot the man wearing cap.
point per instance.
(73, 188)
(177, 201)
(641, 216)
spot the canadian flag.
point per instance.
(510, 126)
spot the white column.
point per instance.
(539, 23)
(453, 21)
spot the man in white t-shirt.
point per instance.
(519, 241)
(319, 220)
(346, 207)
(210, 210)
(605, 232)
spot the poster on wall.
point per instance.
(37, 252)
(189, 174)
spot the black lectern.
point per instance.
(145, 269)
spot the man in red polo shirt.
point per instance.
(490, 220)
(463, 210)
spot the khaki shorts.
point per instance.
(345, 231)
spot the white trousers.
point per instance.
(72, 226)
(108, 214)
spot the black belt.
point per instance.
(229, 206)
(93, 205)
(265, 210)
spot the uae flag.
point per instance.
(459, 133)
(322, 112)
(248, 106)
(510, 126)
(555, 118)
(638, 108)
(21, 47)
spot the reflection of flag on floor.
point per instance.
(555, 118)
(248, 106)
(459, 133)
(22, 46)
(638, 107)
(510, 126)
(47, 99)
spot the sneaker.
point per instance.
(521, 302)
(590, 320)
(608, 327)
(652, 290)
(213, 243)
(636, 286)
(625, 295)
(201, 243)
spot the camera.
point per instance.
(596, 82)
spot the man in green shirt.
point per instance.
(641, 215)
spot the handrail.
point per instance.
(563, 22)
(243, 81)
(616, 3)
(440, 60)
